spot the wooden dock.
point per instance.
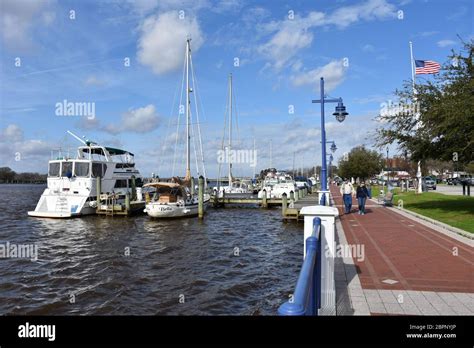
(121, 209)
(291, 209)
(291, 206)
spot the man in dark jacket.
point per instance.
(362, 193)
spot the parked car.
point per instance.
(467, 181)
(430, 183)
(453, 181)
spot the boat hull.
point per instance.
(160, 210)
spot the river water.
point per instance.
(238, 261)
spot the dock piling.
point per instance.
(284, 204)
(264, 199)
(134, 189)
(201, 197)
(98, 189)
(127, 203)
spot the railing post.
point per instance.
(284, 204)
(326, 296)
(311, 243)
(317, 274)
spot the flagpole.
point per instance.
(412, 68)
(418, 172)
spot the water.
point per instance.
(84, 261)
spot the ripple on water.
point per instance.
(167, 259)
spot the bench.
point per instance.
(387, 199)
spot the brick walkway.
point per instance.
(407, 263)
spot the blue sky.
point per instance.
(283, 47)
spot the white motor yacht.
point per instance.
(276, 184)
(72, 182)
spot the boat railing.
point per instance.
(63, 153)
(306, 299)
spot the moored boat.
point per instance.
(72, 182)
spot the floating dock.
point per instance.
(291, 206)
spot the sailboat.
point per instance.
(177, 198)
(233, 186)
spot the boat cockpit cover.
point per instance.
(112, 151)
(162, 184)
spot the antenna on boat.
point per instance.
(75, 136)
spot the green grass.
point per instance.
(456, 211)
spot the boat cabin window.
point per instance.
(66, 169)
(98, 170)
(54, 169)
(125, 165)
(81, 169)
(120, 183)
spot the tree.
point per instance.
(361, 163)
(439, 166)
(445, 109)
(6, 174)
(470, 168)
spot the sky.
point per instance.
(125, 59)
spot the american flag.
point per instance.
(426, 67)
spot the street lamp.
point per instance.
(340, 115)
(340, 112)
(388, 176)
(333, 146)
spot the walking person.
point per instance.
(347, 190)
(362, 193)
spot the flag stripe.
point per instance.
(426, 67)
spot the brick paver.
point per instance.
(399, 249)
(409, 268)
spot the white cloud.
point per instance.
(19, 16)
(163, 39)
(34, 148)
(369, 10)
(428, 33)
(141, 120)
(446, 43)
(143, 7)
(293, 34)
(93, 81)
(333, 73)
(368, 48)
(28, 154)
(12, 133)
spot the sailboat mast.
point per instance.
(230, 130)
(188, 101)
(255, 164)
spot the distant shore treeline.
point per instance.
(8, 176)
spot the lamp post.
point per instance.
(330, 164)
(340, 114)
(388, 176)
